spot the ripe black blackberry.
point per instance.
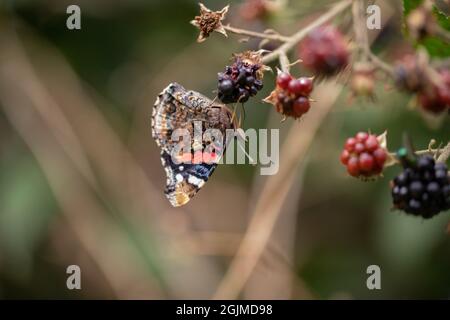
(423, 188)
(241, 80)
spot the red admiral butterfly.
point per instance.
(178, 108)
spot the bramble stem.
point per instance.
(284, 62)
(380, 64)
(362, 39)
(297, 37)
(444, 153)
(254, 34)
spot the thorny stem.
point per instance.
(297, 37)
(443, 153)
(289, 42)
(268, 36)
(362, 39)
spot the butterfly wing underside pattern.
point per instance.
(178, 108)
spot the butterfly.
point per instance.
(178, 108)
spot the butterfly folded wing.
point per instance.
(177, 108)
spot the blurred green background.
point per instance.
(81, 180)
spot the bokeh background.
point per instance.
(81, 180)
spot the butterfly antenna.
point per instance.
(240, 119)
(242, 136)
(233, 116)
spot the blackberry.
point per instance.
(324, 51)
(423, 188)
(410, 73)
(241, 80)
(291, 95)
(363, 155)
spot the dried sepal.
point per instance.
(390, 157)
(253, 58)
(382, 140)
(209, 21)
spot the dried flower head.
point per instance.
(242, 79)
(253, 58)
(363, 80)
(209, 21)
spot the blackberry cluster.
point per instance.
(363, 155)
(437, 98)
(291, 95)
(324, 51)
(239, 82)
(423, 188)
(411, 75)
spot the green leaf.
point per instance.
(435, 46)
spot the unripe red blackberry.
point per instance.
(422, 188)
(324, 51)
(291, 95)
(241, 80)
(363, 155)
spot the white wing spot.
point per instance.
(179, 177)
(196, 181)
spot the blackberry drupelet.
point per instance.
(423, 188)
(239, 82)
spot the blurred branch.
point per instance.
(267, 36)
(211, 243)
(23, 98)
